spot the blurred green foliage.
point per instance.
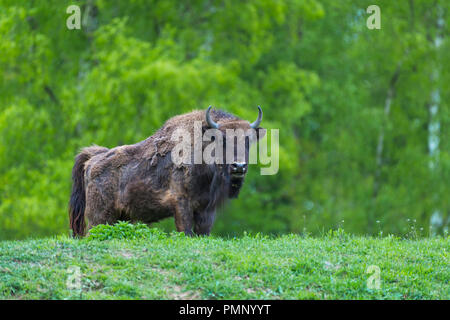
(322, 77)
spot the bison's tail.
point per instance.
(77, 202)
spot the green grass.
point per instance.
(135, 262)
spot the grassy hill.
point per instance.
(134, 262)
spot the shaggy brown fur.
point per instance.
(140, 182)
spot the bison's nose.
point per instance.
(238, 167)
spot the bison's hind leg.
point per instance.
(100, 209)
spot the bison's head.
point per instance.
(237, 136)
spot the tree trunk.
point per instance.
(437, 222)
(387, 109)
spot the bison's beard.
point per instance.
(235, 184)
(223, 186)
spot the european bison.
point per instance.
(141, 182)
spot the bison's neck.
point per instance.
(209, 186)
(216, 185)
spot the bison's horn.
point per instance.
(256, 124)
(210, 121)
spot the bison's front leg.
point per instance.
(183, 217)
(204, 222)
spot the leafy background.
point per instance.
(363, 114)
